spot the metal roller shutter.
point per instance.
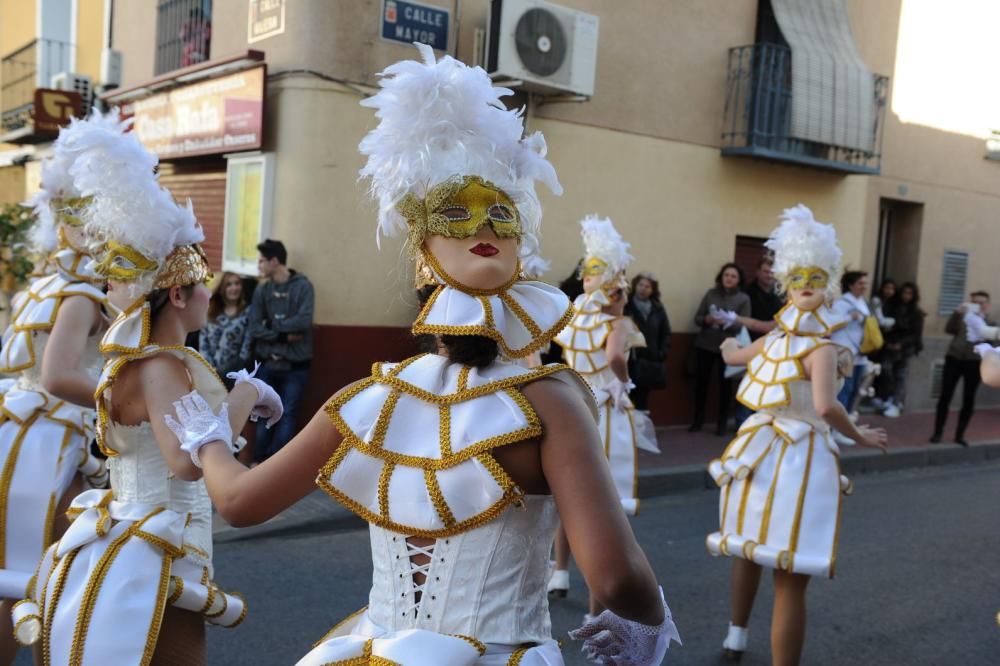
(204, 182)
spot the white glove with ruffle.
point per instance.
(619, 392)
(268, 405)
(610, 639)
(196, 425)
(728, 318)
(984, 348)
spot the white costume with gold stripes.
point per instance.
(102, 588)
(417, 460)
(43, 440)
(780, 477)
(625, 430)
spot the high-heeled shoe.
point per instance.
(559, 583)
(736, 643)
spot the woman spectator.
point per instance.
(647, 365)
(224, 341)
(880, 308)
(853, 308)
(902, 342)
(716, 321)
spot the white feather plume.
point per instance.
(57, 181)
(129, 204)
(801, 241)
(439, 119)
(602, 240)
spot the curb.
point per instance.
(655, 482)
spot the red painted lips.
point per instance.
(484, 250)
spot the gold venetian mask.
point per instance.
(807, 277)
(459, 208)
(123, 263)
(593, 267)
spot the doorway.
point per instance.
(898, 250)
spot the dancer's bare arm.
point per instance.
(246, 497)
(600, 537)
(821, 367)
(78, 318)
(164, 380)
(989, 369)
(615, 349)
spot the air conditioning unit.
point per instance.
(111, 68)
(548, 47)
(77, 83)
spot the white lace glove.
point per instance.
(728, 318)
(610, 639)
(619, 392)
(984, 348)
(268, 405)
(196, 425)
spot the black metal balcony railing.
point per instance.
(19, 78)
(183, 33)
(758, 115)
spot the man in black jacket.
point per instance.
(280, 326)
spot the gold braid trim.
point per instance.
(437, 499)
(50, 612)
(479, 645)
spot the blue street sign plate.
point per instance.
(410, 22)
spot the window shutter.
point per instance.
(954, 271)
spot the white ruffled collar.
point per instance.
(592, 303)
(129, 332)
(821, 322)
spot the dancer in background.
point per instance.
(596, 344)
(51, 346)
(131, 580)
(458, 459)
(780, 478)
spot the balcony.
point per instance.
(833, 125)
(21, 73)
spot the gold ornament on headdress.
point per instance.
(458, 208)
(67, 210)
(185, 266)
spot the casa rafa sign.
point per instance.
(409, 22)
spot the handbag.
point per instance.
(871, 340)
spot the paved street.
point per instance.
(918, 582)
(917, 579)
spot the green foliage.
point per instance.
(15, 254)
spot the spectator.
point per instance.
(880, 305)
(852, 307)
(280, 324)
(904, 340)
(647, 366)
(765, 302)
(960, 363)
(721, 304)
(195, 35)
(224, 341)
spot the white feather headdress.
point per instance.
(800, 241)
(57, 182)
(129, 206)
(602, 240)
(440, 119)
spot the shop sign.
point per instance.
(54, 108)
(409, 22)
(221, 115)
(266, 18)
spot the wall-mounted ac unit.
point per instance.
(111, 68)
(550, 48)
(77, 83)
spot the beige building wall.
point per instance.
(90, 38)
(133, 32)
(17, 24)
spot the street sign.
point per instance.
(409, 22)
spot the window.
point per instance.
(954, 271)
(183, 33)
(249, 191)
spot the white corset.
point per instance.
(140, 474)
(800, 405)
(487, 583)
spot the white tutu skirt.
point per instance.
(41, 447)
(623, 432)
(100, 591)
(358, 638)
(780, 496)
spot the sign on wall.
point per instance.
(222, 115)
(266, 18)
(54, 108)
(409, 22)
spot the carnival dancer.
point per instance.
(47, 417)
(458, 458)
(131, 580)
(780, 478)
(596, 344)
